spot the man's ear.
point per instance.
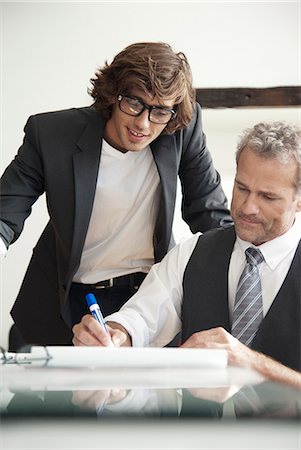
(298, 208)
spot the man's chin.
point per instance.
(134, 147)
(248, 235)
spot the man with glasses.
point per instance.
(109, 172)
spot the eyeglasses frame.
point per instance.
(150, 108)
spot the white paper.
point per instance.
(127, 357)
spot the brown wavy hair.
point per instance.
(152, 67)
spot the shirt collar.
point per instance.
(277, 249)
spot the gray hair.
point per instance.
(278, 140)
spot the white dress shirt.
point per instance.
(278, 254)
(153, 315)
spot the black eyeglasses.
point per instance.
(134, 107)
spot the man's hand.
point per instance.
(90, 333)
(238, 353)
(216, 394)
(97, 400)
(241, 355)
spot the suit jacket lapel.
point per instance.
(165, 156)
(86, 165)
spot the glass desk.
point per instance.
(50, 408)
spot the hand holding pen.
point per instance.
(91, 332)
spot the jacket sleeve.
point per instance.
(20, 186)
(204, 203)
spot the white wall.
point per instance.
(50, 50)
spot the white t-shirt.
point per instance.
(120, 234)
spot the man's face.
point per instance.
(264, 199)
(130, 133)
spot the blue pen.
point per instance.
(96, 312)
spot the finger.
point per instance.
(90, 399)
(87, 333)
(83, 337)
(200, 340)
(76, 342)
(118, 337)
(117, 395)
(98, 331)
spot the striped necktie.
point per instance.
(247, 314)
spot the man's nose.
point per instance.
(250, 205)
(142, 121)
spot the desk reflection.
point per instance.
(267, 400)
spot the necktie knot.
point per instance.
(253, 256)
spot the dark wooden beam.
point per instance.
(245, 97)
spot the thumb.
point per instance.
(118, 338)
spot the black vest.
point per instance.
(205, 299)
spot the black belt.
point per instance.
(132, 280)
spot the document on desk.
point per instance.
(123, 357)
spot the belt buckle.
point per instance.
(109, 285)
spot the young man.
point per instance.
(109, 172)
(197, 287)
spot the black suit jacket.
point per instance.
(60, 156)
